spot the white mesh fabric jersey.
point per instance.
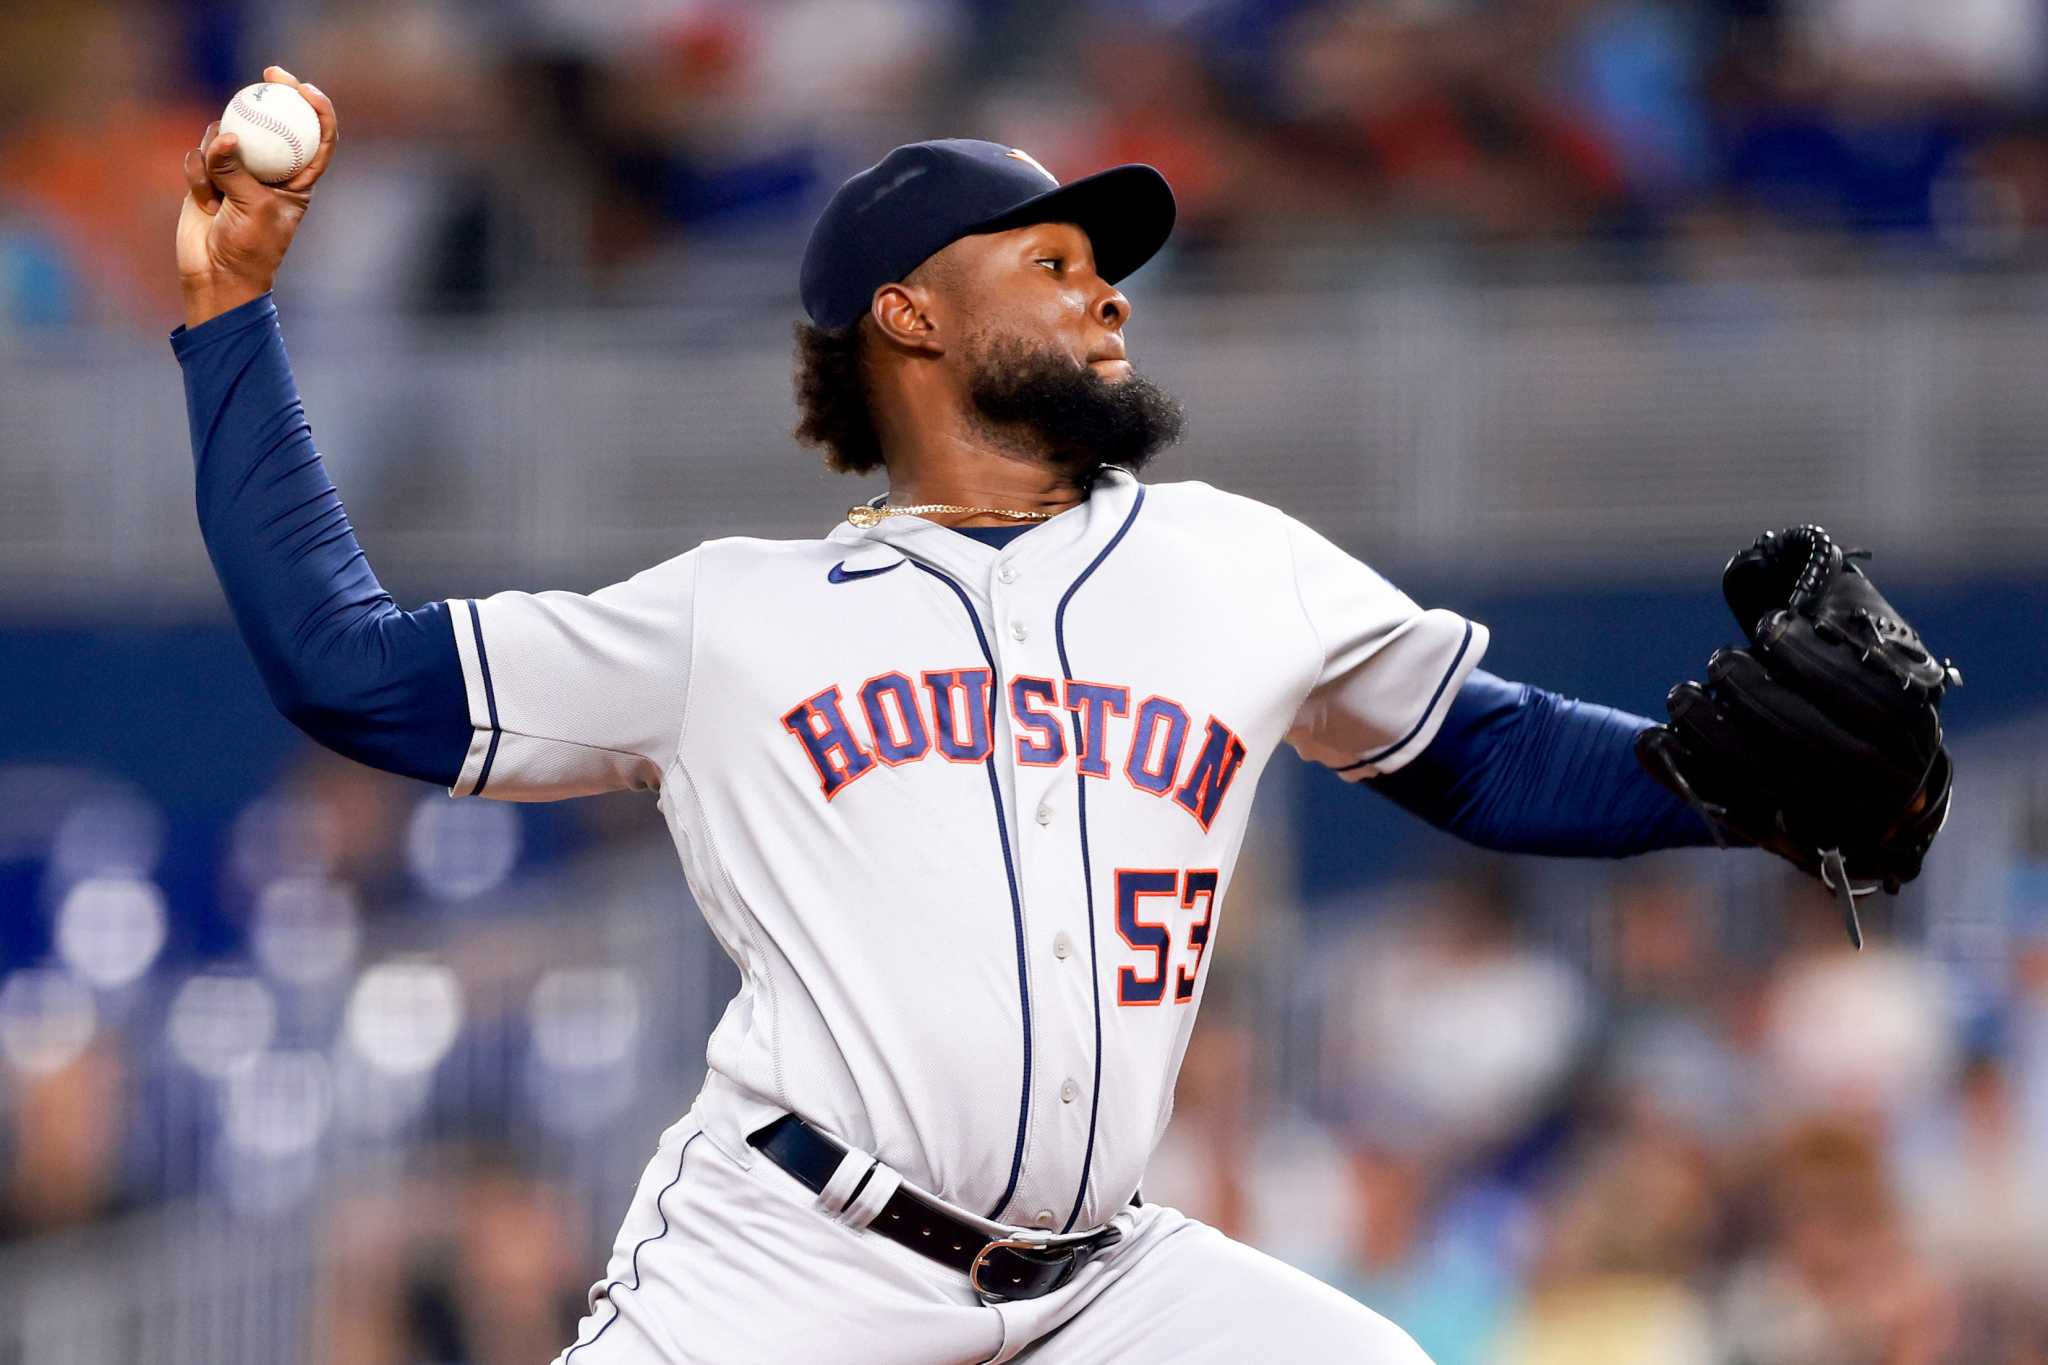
(965, 817)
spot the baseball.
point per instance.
(279, 131)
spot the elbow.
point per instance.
(328, 687)
(1502, 826)
(1475, 823)
(1480, 834)
(366, 719)
(1592, 840)
(341, 720)
(311, 716)
(304, 712)
(322, 708)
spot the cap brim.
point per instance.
(1127, 212)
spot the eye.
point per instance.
(1054, 263)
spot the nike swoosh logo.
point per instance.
(841, 574)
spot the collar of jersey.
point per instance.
(1077, 533)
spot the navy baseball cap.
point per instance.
(889, 219)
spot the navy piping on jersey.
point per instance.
(1059, 635)
(1434, 698)
(634, 1287)
(483, 666)
(995, 792)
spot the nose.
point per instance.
(1112, 309)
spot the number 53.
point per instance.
(1182, 889)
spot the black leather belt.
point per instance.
(1021, 1265)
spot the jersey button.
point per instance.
(1045, 1218)
(1045, 815)
(1069, 1091)
(1062, 946)
(1019, 631)
(1006, 574)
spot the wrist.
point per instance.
(208, 297)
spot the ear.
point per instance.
(903, 314)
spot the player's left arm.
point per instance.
(1523, 770)
(1398, 703)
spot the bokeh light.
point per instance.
(279, 1103)
(307, 929)
(110, 929)
(220, 1022)
(458, 850)
(404, 1016)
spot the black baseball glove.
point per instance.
(1821, 740)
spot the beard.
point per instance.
(1036, 400)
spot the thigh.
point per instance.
(1195, 1295)
(616, 1331)
(719, 1265)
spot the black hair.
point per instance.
(834, 408)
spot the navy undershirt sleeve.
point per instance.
(340, 659)
(1523, 770)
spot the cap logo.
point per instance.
(1020, 154)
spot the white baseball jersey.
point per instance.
(964, 817)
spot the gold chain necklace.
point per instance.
(864, 516)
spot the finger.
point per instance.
(225, 169)
(196, 184)
(211, 201)
(330, 134)
(279, 75)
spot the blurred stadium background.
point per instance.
(1543, 306)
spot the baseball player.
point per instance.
(958, 785)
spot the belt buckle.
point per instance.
(1023, 1242)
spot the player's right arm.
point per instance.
(517, 695)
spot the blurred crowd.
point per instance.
(389, 1028)
(1674, 1118)
(545, 152)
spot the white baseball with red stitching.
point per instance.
(278, 130)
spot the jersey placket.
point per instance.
(1040, 597)
(1002, 787)
(1023, 597)
(1018, 601)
